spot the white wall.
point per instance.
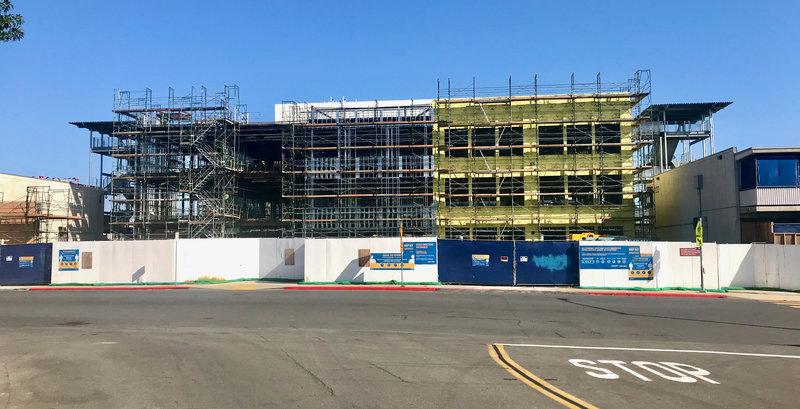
(331, 260)
(222, 259)
(154, 260)
(726, 265)
(231, 259)
(272, 263)
(119, 262)
(736, 265)
(618, 277)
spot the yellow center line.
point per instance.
(498, 353)
(244, 288)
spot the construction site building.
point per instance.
(43, 210)
(518, 162)
(542, 161)
(358, 169)
(178, 166)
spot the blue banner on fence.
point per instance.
(25, 263)
(391, 261)
(607, 257)
(424, 252)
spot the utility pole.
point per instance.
(402, 255)
(698, 230)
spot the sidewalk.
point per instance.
(768, 296)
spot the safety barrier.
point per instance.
(508, 263)
(25, 264)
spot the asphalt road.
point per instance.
(446, 349)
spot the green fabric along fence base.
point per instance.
(723, 290)
(274, 280)
(391, 282)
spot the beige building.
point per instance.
(36, 210)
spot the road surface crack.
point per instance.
(312, 374)
(8, 387)
(374, 365)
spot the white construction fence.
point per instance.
(182, 260)
(677, 264)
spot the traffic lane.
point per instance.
(503, 314)
(619, 377)
(84, 367)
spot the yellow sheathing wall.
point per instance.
(474, 192)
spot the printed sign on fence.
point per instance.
(480, 260)
(607, 257)
(26, 262)
(641, 268)
(424, 252)
(690, 252)
(68, 260)
(391, 261)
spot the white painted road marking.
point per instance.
(692, 351)
(672, 371)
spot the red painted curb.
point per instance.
(358, 288)
(653, 294)
(154, 287)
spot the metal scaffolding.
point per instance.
(358, 172)
(538, 162)
(175, 164)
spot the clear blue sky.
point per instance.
(76, 53)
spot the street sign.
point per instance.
(689, 252)
(698, 232)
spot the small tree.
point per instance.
(10, 24)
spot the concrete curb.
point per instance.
(359, 288)
(588, 292)
(88, 288)
(654, 294)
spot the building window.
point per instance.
(456, 138)
(554, 233)
(747, 173)
(777, 172)
(484, 233)
(483, 137)
(515, 188)
(579, 135)
(551, 190)
(509, 234)
(510, 136)
(610, 230)
(607, 134)
(456, 234)
(457, 191)
(551, 135)
(484, 191)
(581, 190)
(609, 188)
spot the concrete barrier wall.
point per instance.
(337, 260)
(117, 262)
(726, 265)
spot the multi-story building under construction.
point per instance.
(523, 162)
(540, 162)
